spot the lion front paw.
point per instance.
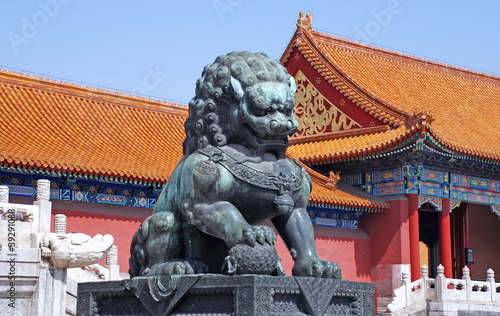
(315, 267)
(253, 234)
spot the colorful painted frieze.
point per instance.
(334, 218)
(387, 176)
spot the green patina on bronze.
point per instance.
(233, 176)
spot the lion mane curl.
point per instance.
(226, 81)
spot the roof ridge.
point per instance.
(63, 87)
(405, 57)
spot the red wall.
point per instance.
(351, 249)
(389, 234)
(122, 228)
(390, 244)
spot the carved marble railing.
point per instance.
(86, 273)
(445, 295)
(40, 270)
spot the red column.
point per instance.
(414, 236)
(445, 238)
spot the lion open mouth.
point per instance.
(263, 138)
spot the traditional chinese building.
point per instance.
(419, 134)
(414, 142)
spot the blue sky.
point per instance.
(160, 47)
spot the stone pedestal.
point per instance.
(226, 295)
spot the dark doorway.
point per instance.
(429, 238)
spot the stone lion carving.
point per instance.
(234, 175)
(75, 250)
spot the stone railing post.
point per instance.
(490, 277)
(407, 288)
(45, 206)
(4, 194)
(112, 256)
(60, 224)
(424, 272)
(424, 276)
(440, 284)
(4, 198)
(112, 263)
(468, 283)
(43, 190)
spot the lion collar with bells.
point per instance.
(280, 179)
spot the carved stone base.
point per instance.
(226, 295)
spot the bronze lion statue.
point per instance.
(234, 175)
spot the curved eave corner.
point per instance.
(451, 148)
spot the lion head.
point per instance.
(242, 98)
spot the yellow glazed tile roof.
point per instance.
(464, 105)
(345, 144)
(59, 126)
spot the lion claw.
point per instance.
(249, 236)
(315, 267)
(270, 236)
(317, 270)
(261, 238)
(257, 234)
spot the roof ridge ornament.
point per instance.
(419, 117)
(305, 23)
(333, 179)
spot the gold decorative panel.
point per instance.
(315, 113)
(424, 254)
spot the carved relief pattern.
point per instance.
(496, 209)
(60, 224)
(254, 176)
(220, 295)
(436, 201)
(315, 113)
(454, 204)
(112, 256)
(74, 250)
(4, 194)
(43, 190)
